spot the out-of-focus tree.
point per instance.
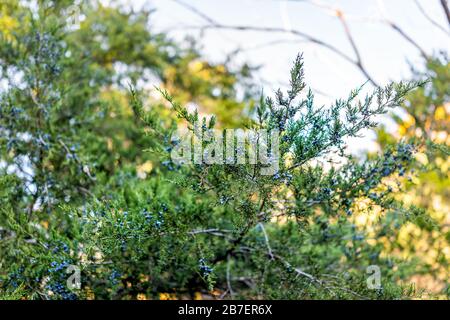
(66, 126)
(95, 60)
(425, 117)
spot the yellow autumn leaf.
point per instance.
(439, 114)
(7, 24)
(195, 66)
(409, 121)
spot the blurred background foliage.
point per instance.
(425, 116)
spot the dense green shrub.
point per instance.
(87, 180)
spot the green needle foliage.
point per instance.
(73, 140)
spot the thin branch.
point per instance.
(399, 30)
(324, 284)
(196, 11)
(394, 26)
(213, 231)
(230, 289)
(223, 294)
(270, 44)
(446, 10)
(277, 30)
(318, 281)
(84, 168)
(359, 63)
(340, 15)
(425, 14)
(213, 24)
(333, 10)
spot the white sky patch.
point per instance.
(285, 18)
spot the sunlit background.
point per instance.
(386, 37)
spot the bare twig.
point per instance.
(358, 62)
(446, 10)
(425, 14)
(324, 284)
(223, 295)
(213, 231)
(340, 14)
(84, 168)
(399, 30)
(271, 43)
(86, 191)
(196, 11)
(318, 281)
(213, 24)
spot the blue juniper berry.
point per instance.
(114, 276)
(204, 268)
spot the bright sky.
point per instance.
(385, 54)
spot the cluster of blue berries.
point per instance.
(114, 276)
(16, 277)
(59, 289)
(173, 142)
(58, 247)
(286, 177)
(49, 52)
(373, 196)
(158, 219)
(123, 245)
(56, 284)
(204, 268)
(42, 140)
(15, 111)
(56, 267)
(357, 237)
(147, 215)
(224, 199)
(286, 138)
(394, 161)
(170, 165)
(279, 121)
(120, 223)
